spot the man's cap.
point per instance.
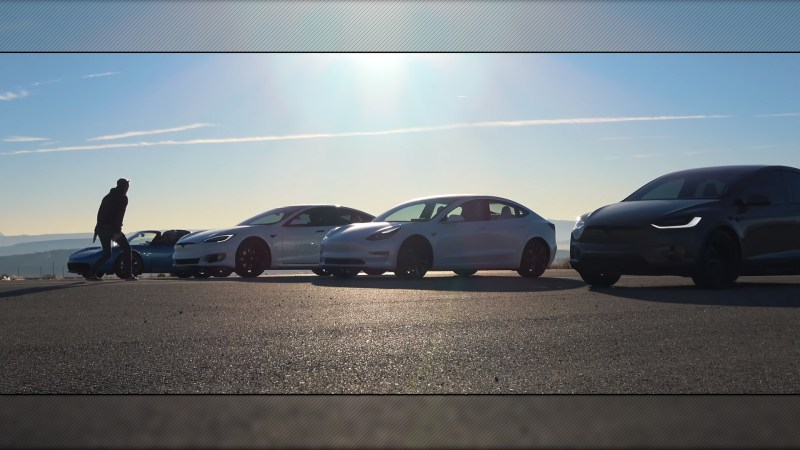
(123, 182)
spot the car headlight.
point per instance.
(383, 233)
(220, 238)
(677, 222)
(580, 223)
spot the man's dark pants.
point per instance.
(106, 237)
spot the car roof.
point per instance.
(456, 196)
(736, 170)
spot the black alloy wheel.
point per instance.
(413, 261)
(534, 259)
(719, 262)
(250, 259)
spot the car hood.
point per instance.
(359, 230)
(643, 212)
(201, 236)
(88, 251)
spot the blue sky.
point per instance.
(211, 139)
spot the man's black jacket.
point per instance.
(112, 211)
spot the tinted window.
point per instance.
(793, 184)
(501, 210)
(418, 211)
(270, 217)
(767, 183)
(686, 185)
(472, 210)
(322, 216)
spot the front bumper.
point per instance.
(192, 256)
(355, 255)
(661, 252)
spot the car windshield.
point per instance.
(416, 211)
(687, 186)
(270, 217)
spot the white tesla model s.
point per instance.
(281, 238)
(462, 233)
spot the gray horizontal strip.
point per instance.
(385, 25)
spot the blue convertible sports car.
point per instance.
(151, 253)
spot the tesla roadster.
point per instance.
(151, 253)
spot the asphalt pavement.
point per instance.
(517, 342)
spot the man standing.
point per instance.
(109, 227)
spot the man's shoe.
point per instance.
(92, 277)
(131, 278)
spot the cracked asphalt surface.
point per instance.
(494, 333)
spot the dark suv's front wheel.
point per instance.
(719, 261)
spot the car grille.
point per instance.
(187, 261)
(613, 235)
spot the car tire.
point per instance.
(413, 260)
(719, 261)
(535, 257)
(252, 258)
(344, 273)
(221, 273)
(321, 272)
(465, 273)
(374, 272)
(202, 273)
(136, 267)
(599, 279)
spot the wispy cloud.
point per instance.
(791, 114)
(97, 75)
(145, 133)
(25, 139)
(291, 137)
(648, 155)
(13, 95)
(39, 83)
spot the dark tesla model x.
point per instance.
(712, 224)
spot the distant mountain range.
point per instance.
(48, 253)
(24, 238)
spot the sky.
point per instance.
(209, 140)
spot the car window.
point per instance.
(793, 184)
(270, 217)
(474, 210)
(768, 183)
(502, 210)
(420, 211)
(682, 185)
(143, 237)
